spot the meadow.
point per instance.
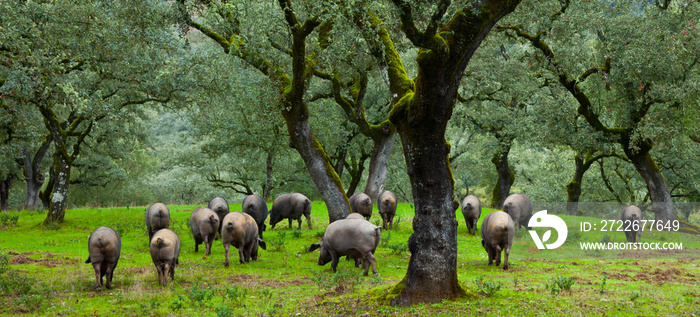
(43, 272)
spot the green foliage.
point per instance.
(340, 282)
(559, 284)
(297, 234)
(605, 239)
(278, 241)
(236, 294)
(487, 288)
(8, 220)
(199, 295)
(177, 303)
(601, 288)
(398, 248)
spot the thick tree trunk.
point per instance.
(662, 205)
(318, 164)
(379, 165)
(432, 270)
(573, 188)
(5, 186)
(59, 195)
(355, 171)
(506, 177)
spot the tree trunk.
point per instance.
(5, 186)
(317, 163)
(59, 195)
(573, 188)
(662, 205)
(432, 269)
(269, 164)
(506, 177)
(379, 165)
(33, 175)
(355, 171)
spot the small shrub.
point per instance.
(634, 296)
(15, 284)
(398, 248)
(146, 309)
(297, 234)
(340, 282)
(559, 284)
(224, 311)
(606, 238)
(278, 241)
(236, 294)
(199, 295)
(574, 236)
(486, 287)
(177, 303)
(385, 240)
(602, 284)
(319, 234)
(8, 220)
(4, 263)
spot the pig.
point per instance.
(157, 217)
(356, 238)
(519, 207)
(203, 224)
(165, 253)
(386, 204)
(354, 215)
(290, 206)
(256, 207)
(497, 232)
(220, 206)
(241, 231)
(471, 210)
(104, 247)
(361, 204)
(632, 215)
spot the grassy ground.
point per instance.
(42, 272)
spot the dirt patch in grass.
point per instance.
(250, 281)
(48, 259)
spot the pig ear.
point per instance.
(262, 244)
(314, 246)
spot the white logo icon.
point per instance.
(542, 220)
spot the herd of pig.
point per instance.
(354, 237)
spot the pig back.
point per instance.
(200, 221)
(386, 202)
(471, 206)
(104, 243)
(165, 246)
(244, 229)
(498, 228)
(256, 207)
(346, 235)
(157, 217)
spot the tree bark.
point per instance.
(355, 170)
(573, 188)
(506, 177)
(379, 164)
(5, 186)
(33, 175)
(269, 177)
(659, 193)
(420, 114)
(59, 195)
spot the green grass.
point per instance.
(42, 272)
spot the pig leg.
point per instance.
(474, 226)
(299, 220)
(226, 246)
(207, 245)
(98, 277)
(159, 268)
(166, 273)
(505, 263)
(241, 256)
(498, 255)
(334, 261)
(308, 220)
(172, 272)
(109, 271)
(489, 251)
(391, 221)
